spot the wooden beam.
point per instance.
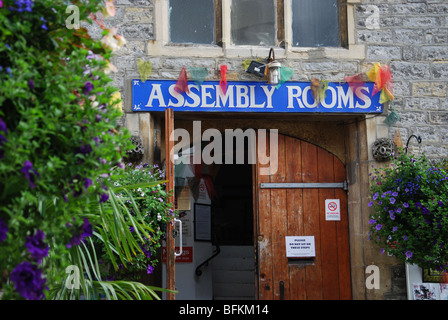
(170, 245)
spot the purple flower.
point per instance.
(370, 203)
(395, 194)
(408, 254)
(87, 183)
(85, 231)
(372, 221)
(440, 203)
(378, 227)
(405, 238)
(375, 196)
(392, 217)
(84, 149)
(28, 281)
(394, 229)
(425, 210)
(392, 200)
(29, 173)
(104, 197)
(36, 246)
(23, 5)
(31, 84)
(405, 204)
(150, 269)
(3, 230)
(3, 126)
(43, 26)
(88, 86)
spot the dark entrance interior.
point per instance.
(232, 209)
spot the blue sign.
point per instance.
(290, 97)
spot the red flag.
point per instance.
(223, 82)
(182, 82)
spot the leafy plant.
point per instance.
(59, 140)
(410, 201)
(113, 239)
(140, 192)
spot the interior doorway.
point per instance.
(219, 258)
(232, 226)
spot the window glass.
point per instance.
(253, 22)
(192, 21)
(315, 23)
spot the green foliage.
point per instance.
(113, 241)
(140, 191)
(410, 200)
(59, 140)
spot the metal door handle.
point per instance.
(180, 238)
(282, 290)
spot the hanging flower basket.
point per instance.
(410, 204)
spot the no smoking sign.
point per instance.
(332, 210)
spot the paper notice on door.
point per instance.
(300, 247)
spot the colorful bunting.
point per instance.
(223, 81)
(356, 81)
(246, 63)
(323, 90)
(182, 82)
(286, 74)
(319, 90)
(144, 68)
(393, 117)
(198, 75)
(382, 77)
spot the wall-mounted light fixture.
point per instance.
(273, 70)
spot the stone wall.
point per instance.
(411, 36)
(413, 39)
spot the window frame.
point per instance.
(223, 46)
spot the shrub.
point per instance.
(410, 201)
(59, 138)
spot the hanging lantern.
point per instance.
(273, 72)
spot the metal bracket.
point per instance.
(309, 185)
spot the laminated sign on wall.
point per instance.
(332, 210)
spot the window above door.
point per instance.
(251, 27)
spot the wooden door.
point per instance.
(292, 211)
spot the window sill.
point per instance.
(156, 48)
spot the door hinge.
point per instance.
(305, 185)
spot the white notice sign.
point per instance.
(299, 246)
(332, 210)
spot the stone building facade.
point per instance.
(411, 36)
